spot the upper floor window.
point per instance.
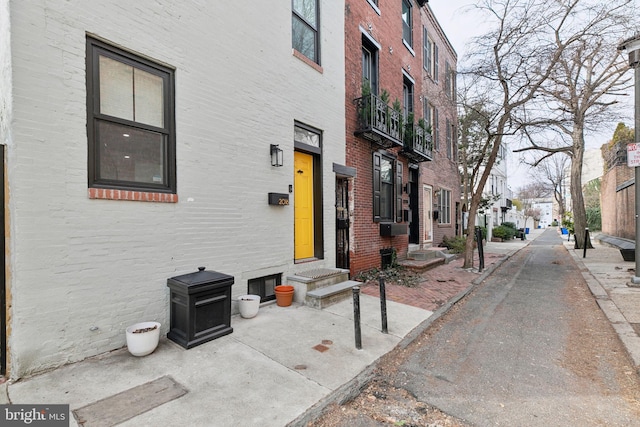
(430, 55)
(431, 119)
(407, 98)
(407, 22)
(449, 132)
(426, 50)
(387, 188)
(305, 28)
(369, 68)
(130, 121)
(450, 81)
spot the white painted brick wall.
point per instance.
(77, 263)
(5, 73)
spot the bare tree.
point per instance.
(511, 63)
(555, 172)
(582, 88)
(472, 146)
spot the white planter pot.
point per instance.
(142, 338)
(249, 305)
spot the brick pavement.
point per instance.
(440, 284)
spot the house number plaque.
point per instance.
(279, 199)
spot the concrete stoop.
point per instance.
(322, 287)
(425, 259)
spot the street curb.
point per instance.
(626, 333)
(350, 390)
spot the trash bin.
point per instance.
(200, 307)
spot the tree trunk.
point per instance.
(577, 198)
(477, 192)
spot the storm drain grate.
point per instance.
(123, 406)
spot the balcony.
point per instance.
(417, 143)
(377, 122)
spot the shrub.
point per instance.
(504, 233)
(594, 218)
(454, 244)
(567, 222)
(510, 225)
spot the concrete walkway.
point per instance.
(283, 366)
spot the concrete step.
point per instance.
(328, 295)
(420, 266)
(427, 253)
(421, 255)
(309, 280)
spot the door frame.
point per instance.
(427, 213)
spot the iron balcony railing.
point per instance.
(378, 122)
(418, 144)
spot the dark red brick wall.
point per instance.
(618, 207)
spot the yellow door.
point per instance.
(303, 205)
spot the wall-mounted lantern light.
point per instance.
(276, 155)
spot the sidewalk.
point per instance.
(285, 365)
(608, 277)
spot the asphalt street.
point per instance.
(528, 347)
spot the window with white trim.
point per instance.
(445, 207)
(407, 22)
(430, 55)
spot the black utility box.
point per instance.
(388, 229)
(200, 307)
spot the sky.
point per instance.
(460, 26)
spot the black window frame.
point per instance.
(408, 92)
(259, 283)
(315, 29)
(395, 214)
(95, 49)
(374, 68)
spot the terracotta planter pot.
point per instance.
(284, 295)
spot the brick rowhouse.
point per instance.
(385, 40)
